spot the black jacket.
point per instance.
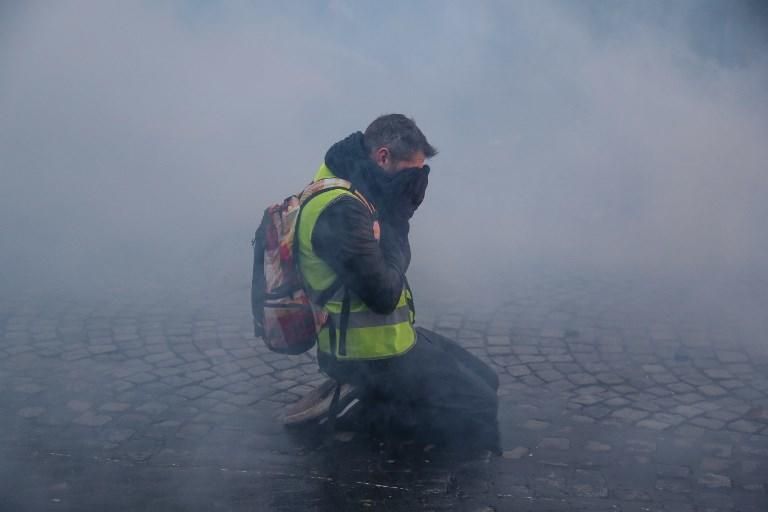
(374, 270)
(343, 236)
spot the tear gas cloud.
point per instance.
(140, 141)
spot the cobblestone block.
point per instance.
(20, 349)
(590, 484)
(525, 359)
(226, 368)
(192, 392)
(193, 431)
(243, 400)
(659, 391)
(200, 375)
(640, 446)
(628, 414)
(673, 486)
(78, 405)
(152, 408)
(90, 419)
(668, 471)
(553, 483)
(586, 399)
(192, 357)
(518, 370)
(708, 423)
(167, 372)
(498, 340)
(140, 449)
(29, 388)
(749, 427)
(597, 446)
(554, 443)
(171, 363)
(259, 370)
(731, 357)
(617, 402)
(672, 419)
(689, 398)
(114, 407)
(653, 424)
(119, 435)
(632, 496)
(31, 412)
(536, 425)
(102, 349)
(282, 364)
(711, 465)
(688, 411)
(731, 384)
(140, 378)
(714, 481)
(718, 449)
(711, 390)
(549, 375)
(582, 379)
(681, 387)
(664, 378)
(718, 374)
(597, 411)
(723, 415)
(516, 453)
(224, 408)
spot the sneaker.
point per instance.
(316, 404)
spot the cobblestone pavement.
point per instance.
(612, 398)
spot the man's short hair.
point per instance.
(399, 134)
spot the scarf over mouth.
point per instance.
(396, 196)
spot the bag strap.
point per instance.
(409, 297)
(345, 307)
(325, 184)
(333, 410)
(313, 190)
(310, 192)
(326, 295)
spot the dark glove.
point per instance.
(394, 244)
(404, 194)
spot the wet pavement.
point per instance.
(614, 396)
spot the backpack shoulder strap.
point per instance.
(323, 185)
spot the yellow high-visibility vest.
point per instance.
(369, 335)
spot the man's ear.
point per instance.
(382, 157)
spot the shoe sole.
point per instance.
(316, 404)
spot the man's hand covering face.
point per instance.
(404, 193)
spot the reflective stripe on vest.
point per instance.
(370, 335)
(370, 319)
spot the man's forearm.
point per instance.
(374, 270)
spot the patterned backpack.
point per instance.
(283, 314)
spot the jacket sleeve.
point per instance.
(373, 270)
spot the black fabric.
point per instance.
(437, 388)
(396, 196)
(403, 193)
(374, 270)
(343, 236)
(344, 322)
(437, 391)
